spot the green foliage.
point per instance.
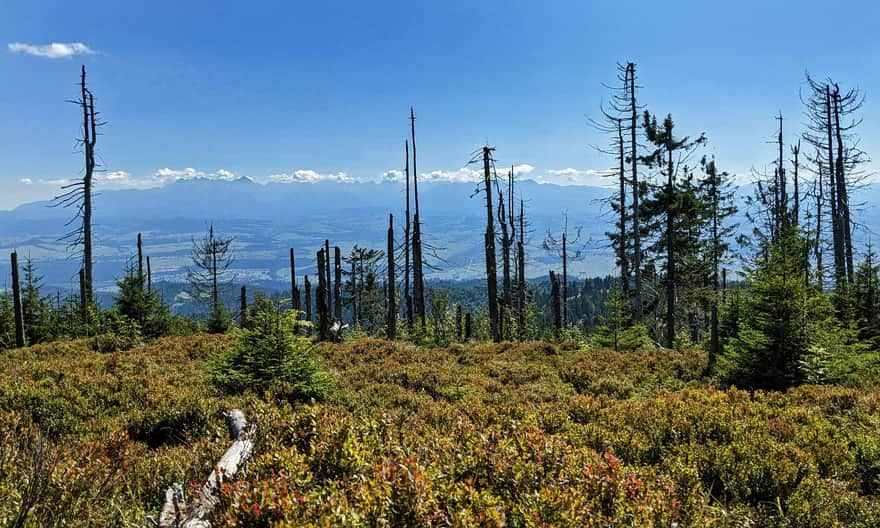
(219, 321)
(773, 335)
(143, 307)
(268, 356)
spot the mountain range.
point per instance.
(267, 219)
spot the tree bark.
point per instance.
(242, 314)
(149, 276)
(140, 248)
(491, 271)
(842, 193)
(418, 257)
(521, 275)
(637, 236)
(391, 307)
(407, 267)
(176, 513)
(337, 286)
(621, 255)
(556, 304)
(294, 291)
(308, 296)
(16, 302)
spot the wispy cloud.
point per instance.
(310, 176)
(55, 50)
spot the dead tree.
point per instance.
(16, 302)
(294, 291)
(242, 311)
(321, 296)
(831, 131)
(149, 276)
(140, 248)
(458, 324)
(78, 194)
(418, 258)
(556, 304)
(560, 248)
(630, 82)
(308, 296)
(328, 292)
(83, 297)
(391, 306)
(337, 286)
(491, 269)
(521, 292)
(507, 238)
(468, 326)
(407, 238)
(177, 513)
(211, 259)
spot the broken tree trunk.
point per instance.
(141, 261)
(242, 315)
(308, 295)
(391, 306)
(321, 297)
(149, 276)
(337, 286)
(556, 303)
(176, 513)
(16, 302)
(294, 291)
(491, 272)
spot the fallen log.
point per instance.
(176, 513)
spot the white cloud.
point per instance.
(55, 50)
(462, 175)
(26, 181)
(310, 176)
(393, 175)
(573, 176)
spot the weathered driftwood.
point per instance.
(176, 513)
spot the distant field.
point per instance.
(482, 435)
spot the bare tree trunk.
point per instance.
(391, 307)
(242, 313)
(83, 297)
(521, 275)
(355, 304)
(308, 295)
(818, 243)
(407, 235)
(565, 278)
(337, 286)
(624, 266)
(670, 251)
(328, 292)
(140, 248)
(458, 323)
(637, 236)
(16, 302)
(149, 276)
(505, 263)
(842, 193)
(491, 271)
(468, 326)
(556, 304)
(418, 258)
(836, 228)
(294, 291)
(90, 137)
(321, 296)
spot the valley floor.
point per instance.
(470, 435)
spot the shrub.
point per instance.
(268, 356)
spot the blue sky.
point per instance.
(323, 89)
